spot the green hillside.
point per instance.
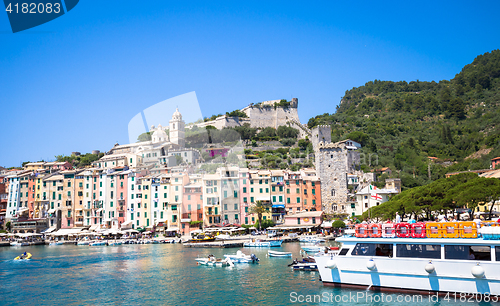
(405, 123)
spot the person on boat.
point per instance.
(389, 221)
(471, 254)
(398, 218)
(412, 220)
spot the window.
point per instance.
(353, 205)
(260, 190)
(244, 189)
(288, 200)
(280, 198)
(225, 206)
(236, 217)
(305, 201)
(110, 204)
(267, 190)
(298, 200)
(273, 188)
(260, 182)
(251, 199)
(464, 252)
(314, 191)
(313, 220)
(236, 194)
(418, 250)
(372, 249)
(343, 252)
(236, 206)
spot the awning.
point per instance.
(49, 230)
(66, 231)
(172, 229)
(23, 210)
(278, 205)
(51, 211)
(326, 224)
(94, 227)
(289, 227)
(185, 220)
(126, 224)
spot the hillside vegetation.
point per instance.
(405, 123)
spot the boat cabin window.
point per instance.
(465, 252)
(372, 249)
(419, 251)
(497, 253)
(343, 251)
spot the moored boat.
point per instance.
(240, 257)
(313, 248)
(279, 254)
(211, 260)
(19, 242)
(306, 264)
(430, 258)
(97, 243)
(114, 242)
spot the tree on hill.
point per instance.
(144, 137)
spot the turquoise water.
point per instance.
(161, 274)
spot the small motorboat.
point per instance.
(98, 242)
(115, 242)
(260, 243)
(56, 243)
(23, 256)
(83, 242)
(240, 257)
(19, 242)
(279, 254)
(312, 239)
(306, 264)
(215, 262)
(313, 248)
(257, 243)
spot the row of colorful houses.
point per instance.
(172, 202)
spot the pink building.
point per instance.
(121, 193)
(309, 218)
(245, 197)
(191, 208)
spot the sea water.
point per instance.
(167, 274)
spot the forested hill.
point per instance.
(405, 123)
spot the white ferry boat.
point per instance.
(446, 258)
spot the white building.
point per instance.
(371, 196)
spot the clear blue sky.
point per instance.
(73, 84)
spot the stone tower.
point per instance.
(177, 129)
(321, 133)
(333, 162)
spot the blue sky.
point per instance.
(73, 84)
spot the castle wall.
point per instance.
(262, 117)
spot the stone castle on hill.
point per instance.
(260, 115)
